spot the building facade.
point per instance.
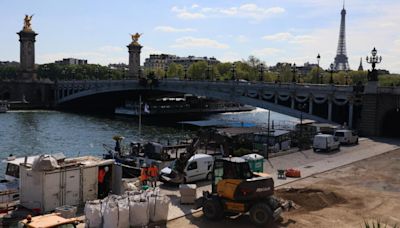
(72, 61)
(164, 60)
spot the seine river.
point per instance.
(37, 132)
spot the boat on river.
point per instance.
(9, 186)
(133, 156)
(187, 104)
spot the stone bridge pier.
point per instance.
(380, 114)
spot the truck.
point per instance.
(198, 167)
(325, 142)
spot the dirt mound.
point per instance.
(311, 199)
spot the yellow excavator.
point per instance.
(236, 189)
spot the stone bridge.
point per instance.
(324, 103)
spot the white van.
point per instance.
(346, 136)
(325, 142)
(199, 167)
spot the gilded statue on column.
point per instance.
(27, 22)
(135, 38)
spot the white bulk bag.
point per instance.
(158, 208)
(123, 213)
(110, 215)
(93, 214)
(138, 211)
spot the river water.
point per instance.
(37, 132)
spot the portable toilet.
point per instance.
(255, 161)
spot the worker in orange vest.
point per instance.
(103, 189)
(153, 173)
(144, 174)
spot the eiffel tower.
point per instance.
(341, 60)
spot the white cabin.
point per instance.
(72, 181)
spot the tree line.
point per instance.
(249, 70)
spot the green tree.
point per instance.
(173, 70)
(8, 72)
(197, 70)
(223, 70)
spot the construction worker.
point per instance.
(102, 183)
(153, 173)
(144, 174)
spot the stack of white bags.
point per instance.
(133, 209)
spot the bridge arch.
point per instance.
(282, 98)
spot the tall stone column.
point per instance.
(134, 57)
(351, 103)
(329, 109)
(27, 40)
(310, 104)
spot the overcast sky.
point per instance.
(272, 30)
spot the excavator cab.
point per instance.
(230, 168)
(236, 189)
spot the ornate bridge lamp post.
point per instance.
(331, 69)
(63, 72)
(208, 70)
(96, 73)
(278, 78)
(373, 60)
(109, 74)
(45, 71)
(73, 74)
(185, 71)
(318, 76)
(261, 71)
(346, 77)
(233, 70)
(165, 71)
(294, 73)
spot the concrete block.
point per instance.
(187, 189)
(66, 211)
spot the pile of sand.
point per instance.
(310, 199)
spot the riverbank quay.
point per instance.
(308, 162)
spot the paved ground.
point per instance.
(307, 161)
(348, 196)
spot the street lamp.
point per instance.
(294, 73)
(185, 70)
(261, 70)
(96, 72)
(301, 107)
(109, 74)
(165, 71)
(45, 70)
(374, 59)
(332, 68)
(318, 77)
(233, 70)
(346, 77)
(63, 74)
(73, 74)
(278, 78)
